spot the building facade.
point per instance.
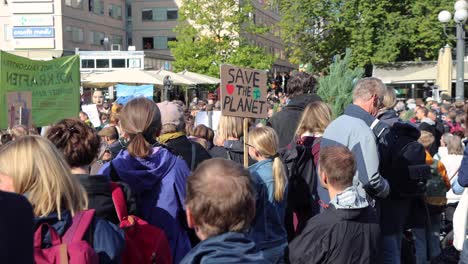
(43, 29)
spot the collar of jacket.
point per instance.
(260, 164)
(359, 113)
(163, 139)
(349, 199)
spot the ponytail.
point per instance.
(139, 147)
(279, 178)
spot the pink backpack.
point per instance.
(144, 243)
(71, 248)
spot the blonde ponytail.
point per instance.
(279, 178)
(265, 141)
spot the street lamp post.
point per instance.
(460, 17)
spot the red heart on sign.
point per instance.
(230, 88)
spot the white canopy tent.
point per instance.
(177, 79)
(128, 76)
(201, 78)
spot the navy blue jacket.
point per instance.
(226, 248)
(463, 172)
(108, 239)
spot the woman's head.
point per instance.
(315, 118)
(454, 145)
(389, 100)
(202, 131)
(263, 143)
(229, 127)
(140, 119)
(37, 169)
(78, 142)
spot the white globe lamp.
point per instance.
(445, 16)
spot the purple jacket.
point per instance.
(159, 186)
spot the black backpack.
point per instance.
(402, 158)
(302, 176)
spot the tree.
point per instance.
(376, 31)
(211, 33)
(336, 88)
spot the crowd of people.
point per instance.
(378, 184)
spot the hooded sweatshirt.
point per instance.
(226, 248)
(346, 232)
(158, 183)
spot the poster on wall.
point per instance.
(19, 109)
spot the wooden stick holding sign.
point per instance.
(244, 94)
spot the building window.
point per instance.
(169, 39)
(172, 14)
(87, 64)
(77, 34)
(96, 6)
(129, 41)
(148, 43)
(118, 63)
(115, 11)
(102, 63)
(134, 63)
(159, 14)
(147, 14)
(129, 11)
(74, 3)
(96, 38)
(160, 42)
(117, 40)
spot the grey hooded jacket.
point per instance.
(351, 130)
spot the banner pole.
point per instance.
(246, 138)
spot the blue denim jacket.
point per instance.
(268, 229)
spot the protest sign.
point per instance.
(126, 93)
(54, 84)
(19, 109)
(93, 114)
(208, 118)
(243, 92)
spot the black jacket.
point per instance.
(232, 150)
(16, 229)
(98, 188)
(183, 147)
(338, 236)
(285, 122)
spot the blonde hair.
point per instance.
(38, 169)
(389, 99)
(426, 139)
(265, 141)
(454, 145)
(229, 126)
(315, 118)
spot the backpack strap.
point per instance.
(119, 201)
(81, 222)
(194, 156)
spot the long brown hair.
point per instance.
(315, 118)
(140, 119)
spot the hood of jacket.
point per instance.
(301, 101)
(234, 145)
(428, 121)
(60, 225)
(389, 116)
(349, 199)
(229, 247)
(143, 174)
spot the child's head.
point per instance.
(220, 198)
(454, 145)
(426, 139)
(263, 144)
(444, 139)
(337, 167)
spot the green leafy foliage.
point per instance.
(376, 31)
(211, 33)
(336, 88)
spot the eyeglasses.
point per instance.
(249, 145)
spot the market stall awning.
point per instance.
(201, 78)
(177, 79)
(128, 76)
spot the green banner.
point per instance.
(54, 84)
